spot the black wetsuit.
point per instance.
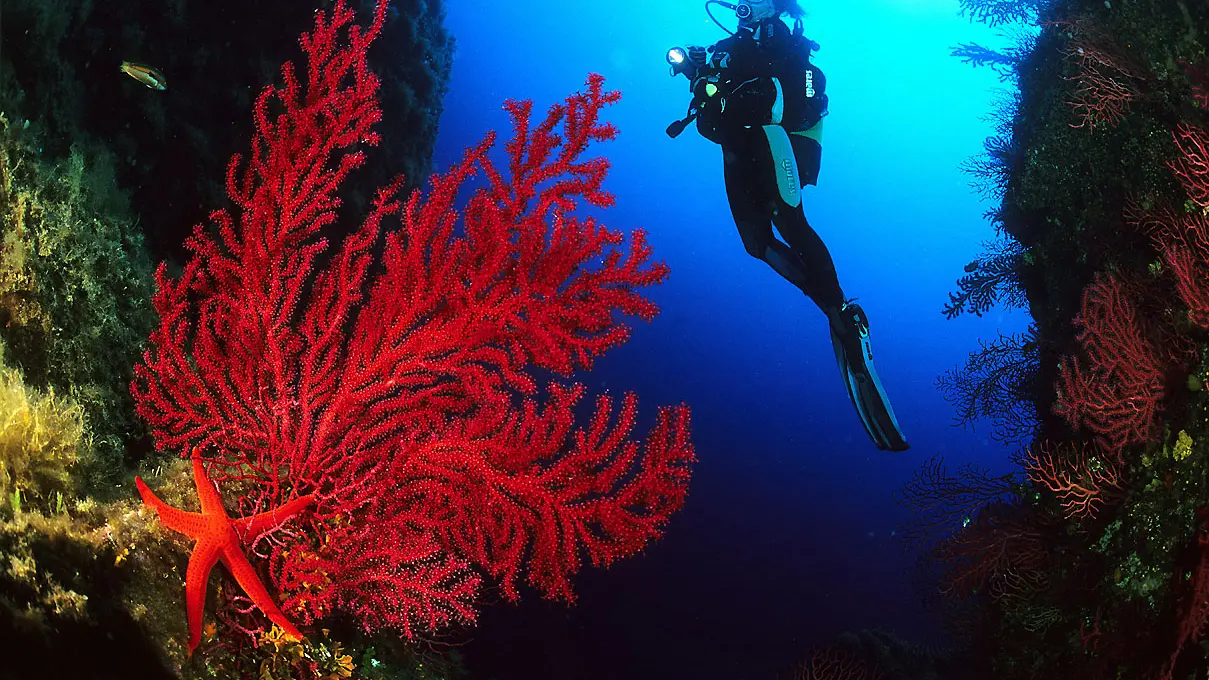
(763, 76)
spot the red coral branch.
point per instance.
(1083, 483)
(1000, 552)
(395, 378)
(1192, 282)
(834, 663)
(1118, 392)
(1198, 77)
(1182, 239)
(1101, 98)
(1090, 635)
(1194, 614)
(1105, 80)
(1191, 166)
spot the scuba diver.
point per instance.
(757, 94)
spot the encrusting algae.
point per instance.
(58, 546)
(75, 284)
(40, 440)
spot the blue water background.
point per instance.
(787, 537)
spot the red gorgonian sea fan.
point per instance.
(1082, 481)
(1106, 81)
(1118, 391)
(395, 377)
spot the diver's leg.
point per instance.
(849, 331)
(752, 206)
(822, 283)
(849, 324)
(820, 280)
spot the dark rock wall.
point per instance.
(172, 147)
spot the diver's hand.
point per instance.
(698, 55)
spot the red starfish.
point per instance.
(217, 537)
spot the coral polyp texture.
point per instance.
(393, 378)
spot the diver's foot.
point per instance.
(854, 354)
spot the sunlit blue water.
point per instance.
(787, 536)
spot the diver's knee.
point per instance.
(755, 247)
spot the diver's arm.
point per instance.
(752, 84)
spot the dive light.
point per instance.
(677, 58)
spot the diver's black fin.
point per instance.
(855, 358)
